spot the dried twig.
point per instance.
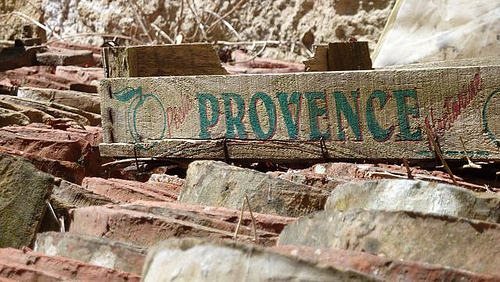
(126, 161)
(255, 238)
(253, 57)
(408, 169)
(180, 20)
(102, 35)
(139, 19)
(199, 24)
(438, 152)
(39, 24)
(469, 164)
(53, 213)
(226, 23)
(63, 227)
(241, 2)
(239, 221)
(162, 33)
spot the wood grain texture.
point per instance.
(162, 60)
(320, 60)
(349, 56)
(376, 114)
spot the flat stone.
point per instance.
(55, 151)
(306, 177)
(54, 144)
(80, 74)
(93, 250)
(214, 183)
(266, 222)
(76, 99)
(46, 80)
(27, 265)
(417, 196)
(23, 191)
(75, 196)
(147, 225)
(382, 267)
(10, 117)
(169, 179)
(193, 259)
(70, 171)
(65, 57)
(345, 172)
(126, 191)
(449, 241)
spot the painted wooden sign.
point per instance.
(377, 114)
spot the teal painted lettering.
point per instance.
(205, 123)
(404, 110)
(292, 125)
(380, 134)
(271, 114)
(233, 121)
(343, 108)
(314, 113)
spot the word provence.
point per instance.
(289, 107)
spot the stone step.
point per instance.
(417, 196)
(214, 183)
(193, 259)
(23, 194)
(27, 265)
(449, 241)
(146, 226)
(382, 267)
(126, 191)
(93, 250)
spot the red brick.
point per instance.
(27, 265)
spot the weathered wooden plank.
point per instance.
(320, 60)
(340, 56)
(349, 56)
(164, 60)
(377, 114)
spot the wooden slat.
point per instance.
(162, 60)
(340, 56)
(320, 60)
(377, 114)
(349, 56)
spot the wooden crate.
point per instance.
(372, 114)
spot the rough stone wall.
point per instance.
(11, 23)
(293, 22)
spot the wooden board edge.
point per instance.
(275, 151)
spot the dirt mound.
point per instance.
(290, 27)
